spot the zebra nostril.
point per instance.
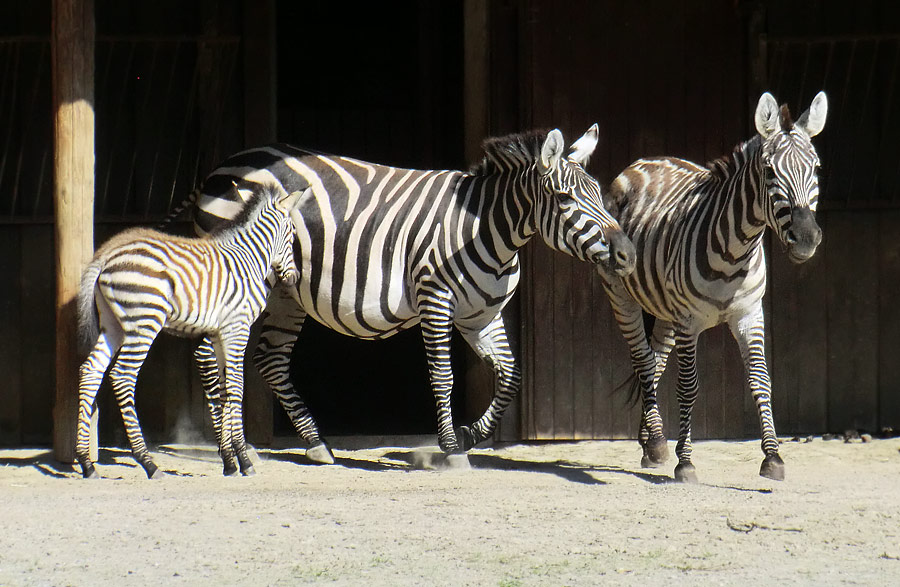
(790, 237)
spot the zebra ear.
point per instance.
(551, 152)
(813, 120)
(288, 202)
(767, 115)
(581, 150)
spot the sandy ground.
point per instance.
(542, 514)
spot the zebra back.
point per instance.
(261, 234)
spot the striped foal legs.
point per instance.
(492, 345)
(749, 331)
(90, 377)
(123, 377)
(213, 378)
(231, 347)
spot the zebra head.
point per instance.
(789, 171)
(282, 263)
(570, 212)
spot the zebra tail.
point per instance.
(186, 204)
(88, 319)
(633, 384)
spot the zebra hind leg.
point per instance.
(90, 376)
(272, 357)
(124, 377)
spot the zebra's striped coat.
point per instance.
(142, 282)
(381, 249)
(700, 261)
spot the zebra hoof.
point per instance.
(152, 470)
(656, 452)
(230, 470)
(772, 467)
(320, 453)
(248, 471)
(89, 472)
(465, 438)
(686, 473)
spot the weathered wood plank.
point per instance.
(37, 348)
(852, 320)
(889, 320)
(11, 342)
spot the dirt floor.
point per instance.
(542, 514)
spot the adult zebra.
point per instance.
(142, 282)
(699, 239)
(381, 249)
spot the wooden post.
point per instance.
(72, 55)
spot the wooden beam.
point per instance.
(72, 55)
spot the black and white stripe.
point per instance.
(142, 282)
(381, 249)
(700, 261)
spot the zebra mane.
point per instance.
(515, 150)
(725, 166)
(250, 210)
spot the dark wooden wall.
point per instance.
(681, 79)
(660, 77)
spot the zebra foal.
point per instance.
(700, 262)
(382, 249)
(142, 282)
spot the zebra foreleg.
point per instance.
(123, 377)
(282, 324)
(492, 345)
(90, 377)
(687, 396)
(749, 332)
(211, 378)
(630, 319)
(437, 322)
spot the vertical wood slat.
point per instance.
(11, 347)
(852, 321)
(72, 48)
(889, 320)
(38, 319)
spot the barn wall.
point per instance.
(163, 85)
(682, 78)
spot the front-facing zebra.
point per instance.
(381, 249)
(142, 282)
(699, 239)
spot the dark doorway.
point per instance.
(383, 83)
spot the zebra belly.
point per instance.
(369, 317)
(702, 306)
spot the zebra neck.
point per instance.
(252, 243)
(737, 220)
(506, 212)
